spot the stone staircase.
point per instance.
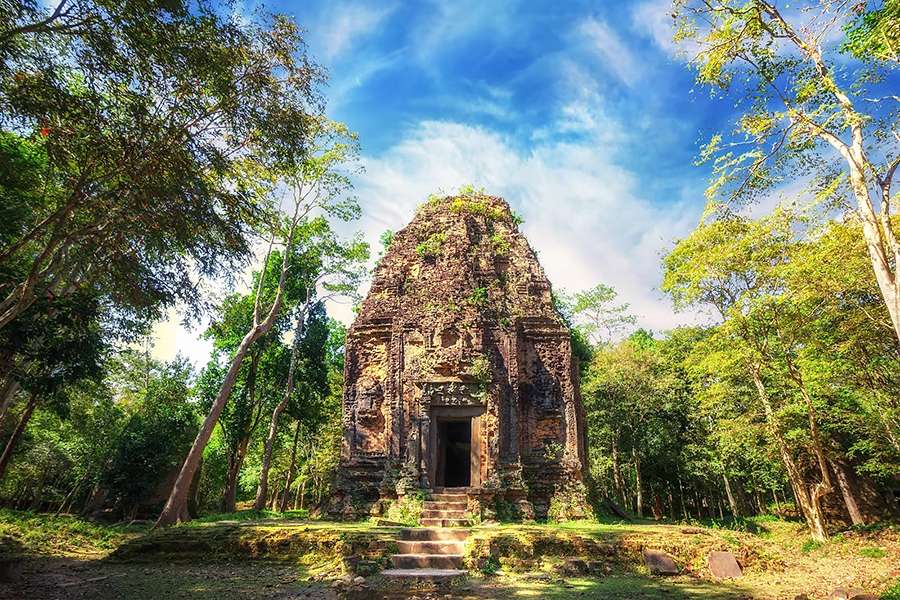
(434, 552)
(429, 554)
(446, 508)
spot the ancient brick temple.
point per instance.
(459, 372)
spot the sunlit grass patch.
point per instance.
(872, 552)
(248, 515)
(63, 535)
(810, 545)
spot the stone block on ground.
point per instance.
(842, 593)
(723, 565)
(659, 563)
(572, 566)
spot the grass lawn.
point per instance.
(264, 555)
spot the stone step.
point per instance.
(423, 534)
(423, 574)
(433, 522)
(444, 497)
(427, 561)
(430, 547)
(448, 504)
(443, 514)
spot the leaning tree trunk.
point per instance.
(882, 245)
(16, 434)
(235, 462)
(7, 395)
(290, 472)
(823, 487)
(846, 487)
(732, 502)
(262, 488)
(807, 501)
(176, 508)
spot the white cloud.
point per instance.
(654, 19)
(170, 338)
(350, 24)
(446, 24)
(585, 216)
(584, 110)
(615, 56)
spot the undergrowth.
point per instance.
(248, 515)
(34, 533)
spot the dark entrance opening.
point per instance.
(454, 453)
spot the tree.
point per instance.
(155, 124)
(626, 402)
(153, 438)
(335, 268)
(734, 264)
(317, 184)
(344, 265)
(805, 110)
(595, 314)
(57, 344)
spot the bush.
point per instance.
(872, 552)
(491, 565)
(892, 593)
(407, 509)
(810, 545)
(431, 247)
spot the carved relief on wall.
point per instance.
(451, 393)
(368, 395)
(542, 390)
(413, 347)
(370, 419)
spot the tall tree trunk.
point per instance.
(732, 502)
(881, 243)
(7, 395)
(16, 434)
(176, 508)
(290, 472)
(846, 488)
(617, 471)
(684, 509)
(235, 462)
(261, 489)
(301, 493)
(823, 487)
(808, 503)
(237, 454)
(638, 497)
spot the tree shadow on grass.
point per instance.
(621, 587)
(617, 587)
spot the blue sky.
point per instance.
(578, 113)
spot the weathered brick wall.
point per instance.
(459, 317)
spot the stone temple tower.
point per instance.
(459, 373)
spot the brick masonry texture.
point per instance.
(459, 323)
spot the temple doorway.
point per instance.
(454, 452)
